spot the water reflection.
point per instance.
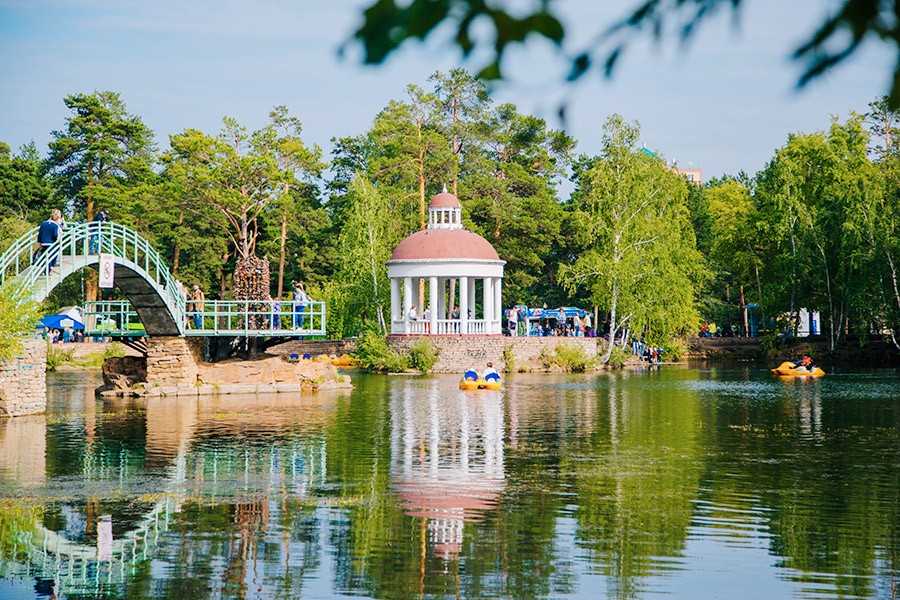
(685, 482)
(447, 458)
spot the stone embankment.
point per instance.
(23, 381)
(173, 367)
(460, 353)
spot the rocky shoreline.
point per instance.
(127, 377)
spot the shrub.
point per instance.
(114, 350)
(423, 354)
(18, 316)
(374, 355)
(618, 357)
(57, 356)
(569, 358)
(674, 350)
(509, 359)
(771, 344)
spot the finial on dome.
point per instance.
(445, 188)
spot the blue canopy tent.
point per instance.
(69, 317)
(550, 314)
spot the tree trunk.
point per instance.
(283, 254)
(176, 251)
(743, 302)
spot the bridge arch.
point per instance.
(140, 272)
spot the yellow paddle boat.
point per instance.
(791, 369)
(472, 381)
(344, 360)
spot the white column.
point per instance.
(433, 302)
(464, 305)
(395, 302)
(498, 302)
(407, 302)
(487, 300)
(472, 297)
(442, 298)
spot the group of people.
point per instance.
(551, 323)
(65, 335)
(195, 303)
(712, 330)
(647, 353)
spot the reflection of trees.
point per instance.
(636, 480)
(832, 511)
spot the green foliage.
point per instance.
(637, 253)
(617, 358)
(103, 151)
(25, 190)
(364, 246)
(58, 355)
(771, 344)
(114, 350)
(374, 355)
(18, 317)
(675, 350)
(387, 25)
(423, 355)
(509, 359)
(566, 357)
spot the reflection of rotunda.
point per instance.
(442, 253)
(447, 459)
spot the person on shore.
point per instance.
(196, 306)
(512, 315)
(413, 315)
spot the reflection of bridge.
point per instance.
(202, 450)
(155, 298)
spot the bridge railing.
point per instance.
(80, 245)
(252, 318)
(19, 256)
(112, 318)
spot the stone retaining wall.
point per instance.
(23, 381)
(315, 347)
(459, 353)
(172, 361)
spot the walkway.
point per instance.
(155, 305)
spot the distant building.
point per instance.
(693, 175)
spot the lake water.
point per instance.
(709, 482)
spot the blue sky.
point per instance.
(724, 102)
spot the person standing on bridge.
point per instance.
(196, 306)
(101, 217)
(49, 232)
(300, 299)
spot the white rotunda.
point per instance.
(440, 254)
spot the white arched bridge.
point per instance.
(156, 304)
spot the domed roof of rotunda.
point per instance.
(444, 200)
(431, 244)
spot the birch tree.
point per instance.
(639, 259)
(365, 245)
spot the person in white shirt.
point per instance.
(490, 373)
